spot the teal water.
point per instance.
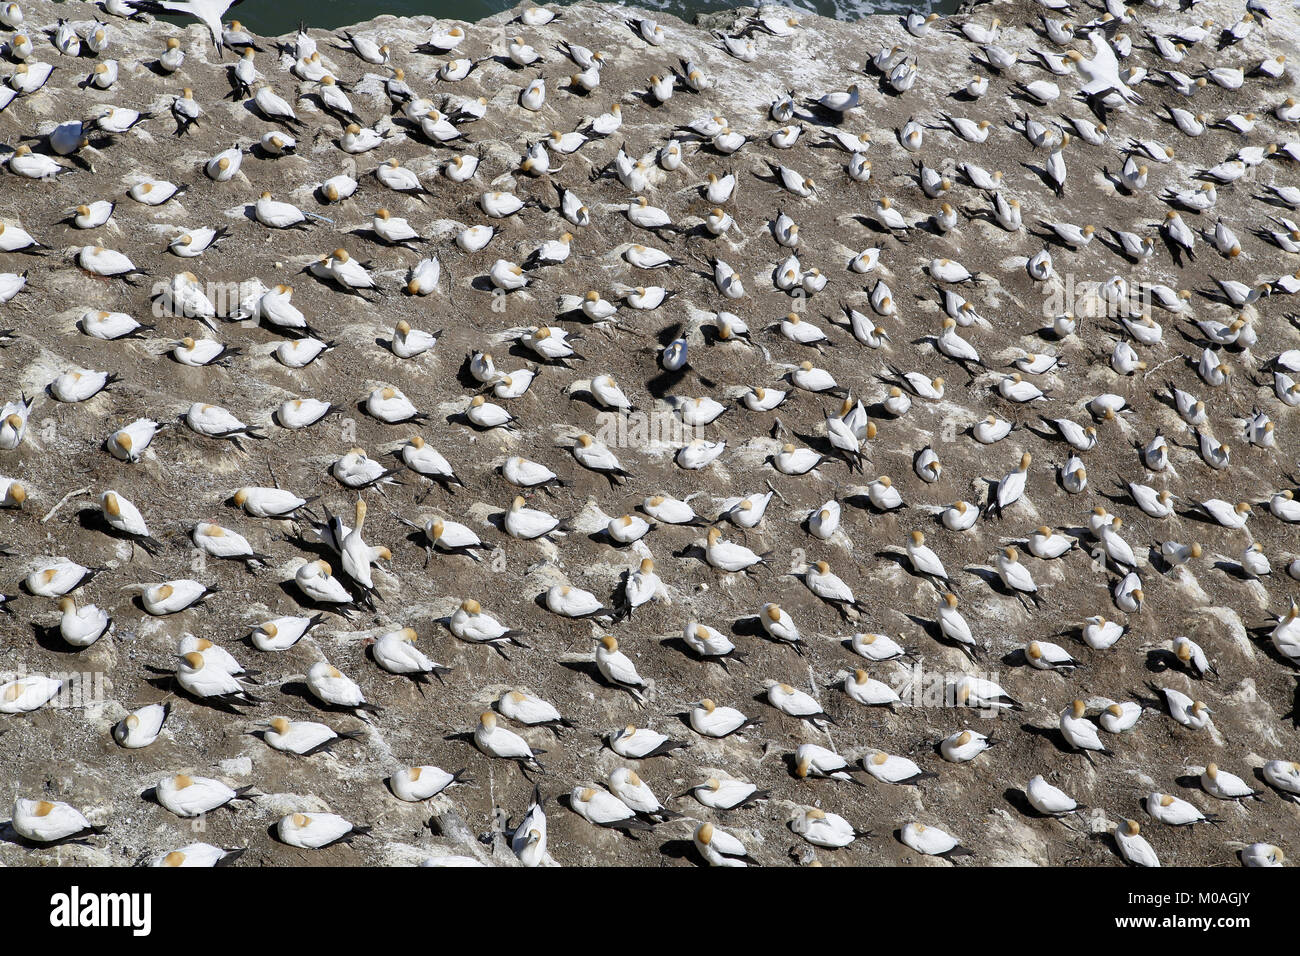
(282, 16)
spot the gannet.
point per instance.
(817, 761)
(470, 623)
(191, 796)
(709, 643)
(796, 703)
(317, 830)
(617, 668)
(1284, 776)
(304, 738)
(710, 720)
(602, 808)
(727, 793)
(530, 710)
(1133, 847)
(43, 821)
(1175, 811)
(1183, 709)
(210, 683)
(396, 653)
(317, 582)
(26, 694)
(1050, 800)
(640, 743)
(866, 690)
(932, 841)
(821, 828)
(141, 727)
(1079, 732)
(1226, 786)
(82, 626)
(888, 768)
(964, 745)
(528, 837)
(719, 848)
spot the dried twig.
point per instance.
(62, 501)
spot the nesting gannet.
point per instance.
(1079, 732)
(640, 743)
(1175, 811)
(44, 821)
(497, 741)
(174, 596)
(1048, 799)
(932, 841)
(636, 794)
(821, 828)
(57, 577)
(719, 848)
(1133, 847)
(604, 809)
(315, 579)
(211, 683)
(304, 738)
(26, 694)
(817, 761)
(395, 652)
(191, 796)
(964, 745)
(316, 831)
(141, 727)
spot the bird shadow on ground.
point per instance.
(300, 690)
(900, 558)
(1051, 734)
(51, 639)
(1233, 570)
(290, 588)
(680, 850)
(591, 670)
(692, 551)
(1018, 799)
(1260, 638)
(1159, 660)
(993, 580)
(1016, 658)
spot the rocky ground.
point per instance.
(68, 753)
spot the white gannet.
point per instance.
(395, 652)
(470, 623)
(316, 830)
(190, 796)
(1079, 732)
(719, 848)
(1175, 811)
(141, 727)
(710, 720)
(82, 626)
(1133, 847)
(44, 821)
(932, 841)
(965, 745)
(640, 743)
(25, 694)
(210, 682)
(617, 668)
(497, 741)
(333, 688)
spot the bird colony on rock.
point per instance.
(636, 418)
